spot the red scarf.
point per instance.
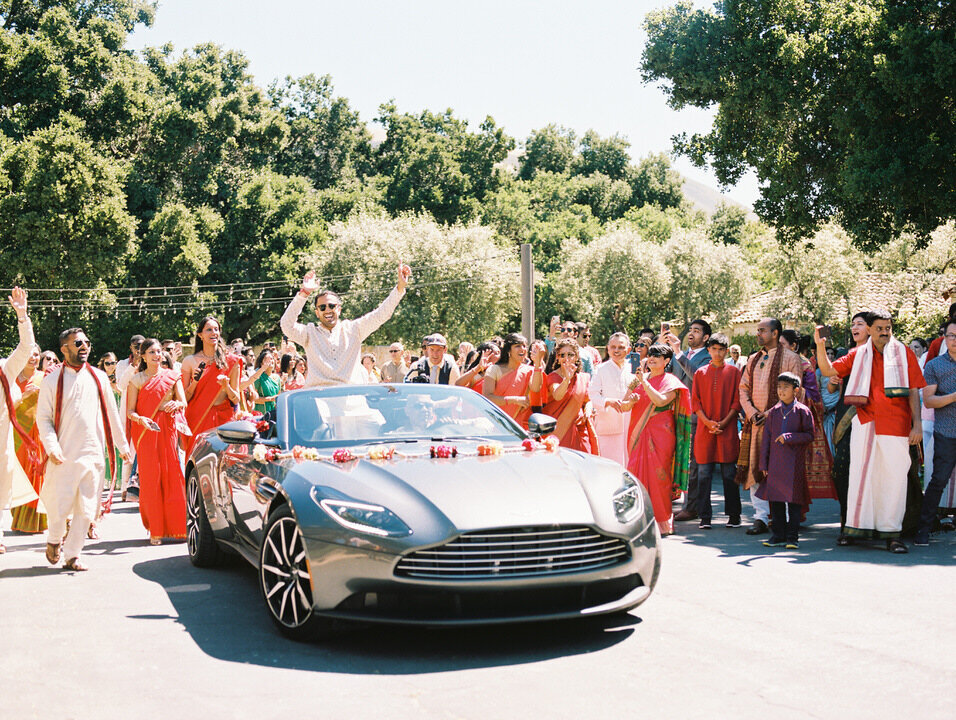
(110, 447)
(35, 454)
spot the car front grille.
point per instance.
(515, 552)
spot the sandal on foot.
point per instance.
(895, 546)
(844, 540)
(75, 565)
(53, 553)
(3, 548)
(91, 533)
(155, 541)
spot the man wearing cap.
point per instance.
(395, 369)
(333, 347)
(438, 366)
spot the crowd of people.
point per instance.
(795, 421)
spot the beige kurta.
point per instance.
(755, 394)
(610, 382)
(15, 487)
(75, 485)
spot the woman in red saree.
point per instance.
(511, 383)
(569, 403)
(659, 433)
(27, 518)
(211, 381)
(155, 395)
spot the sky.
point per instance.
(527, 64)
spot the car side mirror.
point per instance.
(540, 424)
(238, 432)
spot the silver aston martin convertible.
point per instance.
(417, 504)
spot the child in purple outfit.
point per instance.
(788, 431)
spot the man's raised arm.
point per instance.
(370, 322)
(289, 322)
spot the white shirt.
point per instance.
(11, 367)
(610, 382)
(334, 355)
(81, 421)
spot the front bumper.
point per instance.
(353, 583)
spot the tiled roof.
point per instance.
(895, 292)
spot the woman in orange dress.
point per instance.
(511, 383)
(477, 364)
(659, 433)
(155, 396)
(211, 381)
(569, 403)
(26, 518)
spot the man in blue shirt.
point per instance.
(940, 394)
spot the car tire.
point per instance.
(284, 579)
(201, 544)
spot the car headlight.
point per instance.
(363, 517)
(629, 499)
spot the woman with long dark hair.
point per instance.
(511, 382)
(477, 363)
(659, 433)
(27, 518)
(569, 403)
(154, 396)
(211, 380)
(266, 382)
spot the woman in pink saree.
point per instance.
(659, 433)
(511, 383)
(569, 403)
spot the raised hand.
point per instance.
(404, 275)
(539, 353)
(309, 283)
(18, 299)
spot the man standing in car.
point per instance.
(334, 346)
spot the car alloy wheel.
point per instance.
(201, 544)
(285, 574)
(192, 517)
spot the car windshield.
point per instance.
(360, 414)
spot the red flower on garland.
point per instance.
(262, 426)
(343, 456)
(443, 451)
(528, 444)
(272, 454)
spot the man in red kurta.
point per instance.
(886, 423)
(715, 399)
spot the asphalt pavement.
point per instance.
(733, 629)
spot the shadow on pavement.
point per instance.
(817, 541)
(224, 613)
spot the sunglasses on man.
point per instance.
(81, 343)
(569, 329)
(322, 306)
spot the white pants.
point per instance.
(928, 446)
(614, 447)
(876, 500)
(72, 487)
(761, 507)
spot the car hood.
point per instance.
(510, 489)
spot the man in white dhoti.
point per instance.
(609, 384)
(333, 347)
(884, 381)
(77, 418)
(15, 488)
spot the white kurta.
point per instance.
(15, 488)
(334, 355)
(74, 485)
(610, 382)
(876, 497)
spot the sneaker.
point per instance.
(772, 543)
(734, 523)
(704, 525)
(792, 545)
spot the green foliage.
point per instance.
(617, 282)
(434, 164)
(464, 283)
(608, 156)
(655, 224)
(707, 279)
(728, 224)
(843, 108)
(62, 210)
(654, 182)
(327, 141)
(550, 149)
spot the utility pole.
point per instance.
(527, 292)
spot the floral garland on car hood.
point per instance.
(265, 453)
